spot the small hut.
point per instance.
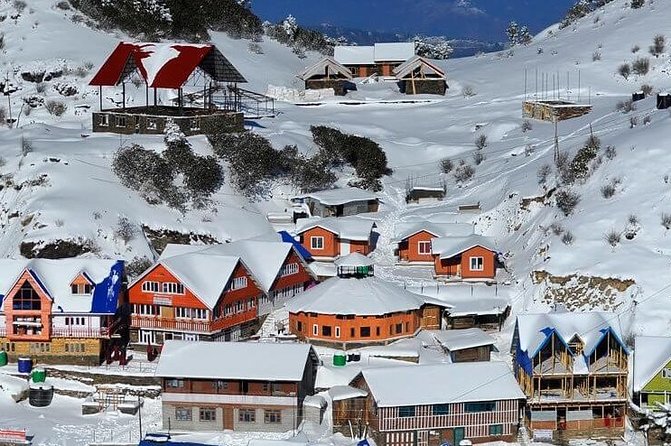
(419, 76)
(553, 111)
(328, 73)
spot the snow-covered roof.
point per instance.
(349, 228)
(442, 384)
(467, 300)
(327, 65)
(264, 258)
(394, 51)
(534, 329)
(269, 361)
(651, 355)
(205, 275)
(455, 340)
(354, 55)
(342, 195)
(338, 393)
(447, 247)
(55, 277)
(165, 65)
(425, 67)
(404, 230)
(353, 260)
(363, 297)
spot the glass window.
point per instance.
(337, 332)
(406, 411)
(317, 242)
(495, 429)
(174, 383)
(183, 413)
(441, 409)
(121, 121)
(424, 247)
(365, 332)
(272, 416)
(103, 120)
(315, 330)
(477, 263)
(247, 415)
(326, 330)
(208, 414)
(149, 286)
(486, 406)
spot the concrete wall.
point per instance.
(130, 122)
(289, 419)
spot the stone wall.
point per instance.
(130, 122)
(84, 351)
(424, 86)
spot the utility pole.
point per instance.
(139, 415)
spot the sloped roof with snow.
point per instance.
(327, 65)
(354, 55)
(426, 69)
(467, 300)
(370, 55)
(354, 259)
(454, 340)
(363, 297)
(404, 230)
(394, 51)
(164, 65)
(55, 277)
(651, 355)
(447, 247)
(349, 228)
(269, 361)
(442, 384)
(341, 195)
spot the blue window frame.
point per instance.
(441, 409)
(495, 430)
(406, 411)
(485, 406)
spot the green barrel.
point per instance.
(39, 375)
(339, 359)
(3, 358)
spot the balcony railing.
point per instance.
(171, 324)
(79, 332)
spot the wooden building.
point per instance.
(59, 311)
(165, 67)
(241, 386)
(356, 309)
(329, 238)
(652, 372)
(429, 405)
(379, 59)
(467, 345)
(553, 111)
(418, 75)
(424, 194)
(464, 258)
(340, 202)
(327, 73)
(573, 369)
(413, 239)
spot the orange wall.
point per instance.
(230, 297)
(384, 323)
(408, 249)
(454, 265)
(44, 313)
(362, 247)
(332, 243)
(160, 274)
(302, 276)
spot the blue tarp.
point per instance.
(106, 293)
(164, 439)
(288, 238)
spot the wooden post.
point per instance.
(146, 94)
(123, 95)
(154, 96)
(100, 96)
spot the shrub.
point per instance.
(647, 119)
(137, 266)
(624, 70)
(607, 191)
(481, 142)
(612, 237)
(204, 176)
(312, 174)
(647, 89)
(526, 126)
(641, 66)
(65, 6)
(19, 5)
(446, 165)
(56, 108)
(556, 228)
(633, 122)
(478, 158)
(567, 238)
(580, 165)
(26, 146)
(658, 45)
(3, 116)
(635, 49)
(610, 152)
(124, 230)
(145, 171)
(596, 55)
(464, 172)
(567, 200)
(635, 4)
(666, 220)
(625, 106)
(543, 173)
(468, 91)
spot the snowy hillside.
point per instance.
(63, 187)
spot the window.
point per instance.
(190, 313)
(221, 385)
(239, 282)
(477, 263)
(441, 409)
(315, 330)
(26, 298)
(352, 333)
(172, 288)
(399, 328)
(121, 121)
(152, 123)
(145, 310)
(299, 326)
(150, 287)
(317, 242)
(289, 269)
(247, 415)
(487, 406)
(377, 331)
(424, 247)
(337, 332)
(208, 414)
(183, 413)
(174, 383)
(81, 288)
(364, 332)
(495, 429)
(103, 120)
(272, 416)
(326, 330)
(406, 411)
(666, 373)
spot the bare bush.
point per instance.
(137, 266)
(666, 220)
(635, 49)
(633, 122)
(658, 45)
(478, 158)
(610, 152)
(26, 146)
(632, 219)
(641, 66)
(624, 70)
(124, 230)
(556, 228)
(464, 172)
(65, 6)
(647, 119)
(636, 4)
(468, 91)
(625, 106)
(607, 191)
(567, 200)
(567, 238)
(526, 126)
(446, 165)
(543, 172)
(481, 142)
(647, 89)
(612, 237)
(56, 108)
(596, 55)
(19, 5)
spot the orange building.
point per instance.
(472, 257)
(329, 238)
(413, 239)
(356, 309)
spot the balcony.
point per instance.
(171, 324)
(79, 332)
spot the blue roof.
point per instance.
(288, 238)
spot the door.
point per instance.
(146, 337)
(458, 435)
(344, 247)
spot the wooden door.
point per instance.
(168, 313)
(228, 417)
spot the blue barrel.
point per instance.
(25, 365)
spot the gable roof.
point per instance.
(455, 340)
(341, 195)
(349, 228)
(354, 55)
(447, 247)
(300, 249)
(54, 277)
(327, 65)
(268, 361)
(442, 384)
(394, 51)
(426, 69)
(363, 297)
(354, 259)
(404, 230)
(164, 65)
(651, 355)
